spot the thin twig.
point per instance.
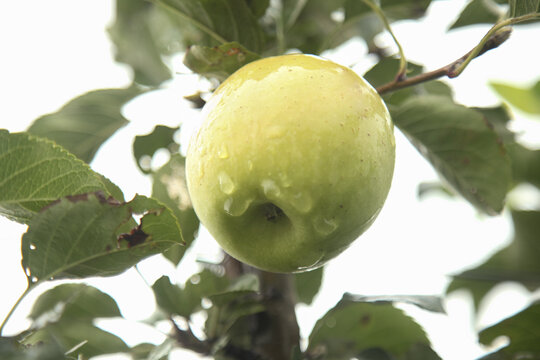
(402, 71)
(497, 35)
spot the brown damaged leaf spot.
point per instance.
(365, 320)
(100, 195)
(135, 237)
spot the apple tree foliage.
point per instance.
(80, 225)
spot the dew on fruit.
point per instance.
(325, 226)
(223, 153)
(236, 207)
(250, 165)
(284, 179)
(226, 184)
(301, 202)
(271, 189)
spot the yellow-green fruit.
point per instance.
(292, 162)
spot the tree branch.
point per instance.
(448, 70)
(498, 34)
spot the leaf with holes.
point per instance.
(35, 172)
(78, 237)
(86, 122)
(363, 329)
(461, 145)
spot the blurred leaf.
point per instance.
(35, 172)
(354, 328)
(308, 284)
(525, 164)
(498, 117)
(143, 351)
(222, 20)
(73, 302)
(426, 302)
(10, 349)
(516, 262)
(87, 339)
(478, 12)
(78, 237)
(162, 351)
(461, 146)
(86, 122)
(385, 72)
(525, 99)
(522, 329)
(145, 146)
(523, 7)
(169, 187)
(428, 188)
(173, 299)
(258, 7)
(184, 301)
(133, 34)
(219, 61)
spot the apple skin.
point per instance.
(292, 162)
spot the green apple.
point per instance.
(292, 162)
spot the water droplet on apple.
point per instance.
(223, 153)
(250, 165)
(236, 207)
(301, 202)
(325, 226)
(225, 183)
(270, 189)
(284, 179)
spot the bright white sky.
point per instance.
(55, 50)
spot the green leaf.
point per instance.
(525, 164)
(11, 349)
(258, 7)
(78, 237)
(516, 262)
(82, 338)
(525, 99)
(134, 35)
(219, 61)
(478, 12)
(461, 146)
(308, 284)
(145, 146)
(352, 329)
(186, 300)
(222, 20)
(523, 331)
(174, 300)
(523, 7)
(169, 187)
(34, 172)
(426, 302)
(86, 122)
(73, 302)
